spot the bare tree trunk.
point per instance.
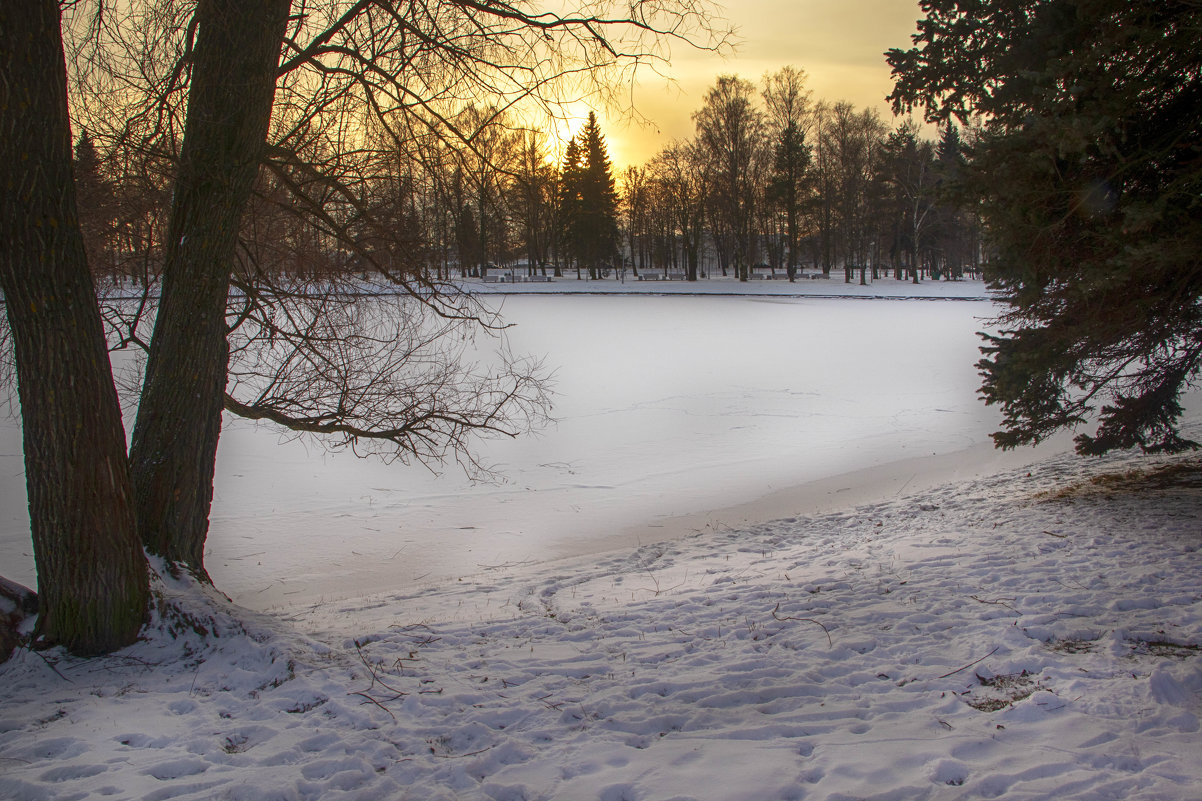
(92, 577)
(174, 448)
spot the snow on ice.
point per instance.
(951, 627)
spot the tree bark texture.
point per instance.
(174, 448)
(92, 577)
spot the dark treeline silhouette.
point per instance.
(1088, 167)
(772, 183)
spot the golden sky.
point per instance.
(839, 43)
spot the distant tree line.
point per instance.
(775, 181)
(772, 182)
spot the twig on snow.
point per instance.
(825, 630)
(556, 707)
(970, 664)
(374, 701)
(375, 679)
(50, 665)
(658, 590)
(997, 602)
(468, 754)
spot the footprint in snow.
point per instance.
(68, 772)
(177, 768)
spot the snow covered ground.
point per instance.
(983, 639)
(748, 571)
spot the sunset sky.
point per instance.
(839, 43)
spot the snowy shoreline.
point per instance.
(353, 576)
(666, 407)
(804, 287)
(893, 481)
(1030, 634)
(881, 607)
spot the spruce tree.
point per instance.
(94, 197)
(951, 225)
(596, 224)
(1089, 177)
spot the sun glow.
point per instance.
(839, 44)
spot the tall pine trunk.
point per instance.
(174, 448)
(92, 579)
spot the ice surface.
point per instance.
(669, 409)
(666, 406)
(766, 554)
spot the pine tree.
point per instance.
(952, 228)
(94, 197)
(1089, 176)
(595, 223)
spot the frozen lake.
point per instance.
(666, 406)
(983, 637)
(669, 409)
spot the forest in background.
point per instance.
(772, 182)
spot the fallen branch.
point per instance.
(375, 679)
(997, 602)
(555, 707)
(825, 630)
(970, 664)
(374, 701)
(461, 756)
(50, 665)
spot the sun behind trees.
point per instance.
(215, 102)
(589, 201)
(775, 181)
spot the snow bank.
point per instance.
(809, 285)
(1029, 635)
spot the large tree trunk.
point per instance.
(174, 448)
(92, 578)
